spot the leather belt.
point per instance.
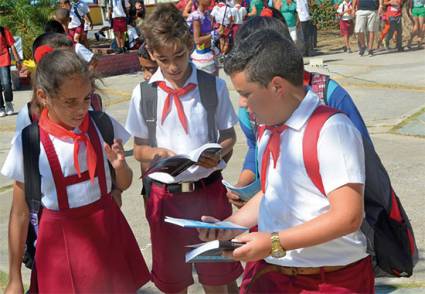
(190, 186)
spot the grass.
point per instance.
(3, 281)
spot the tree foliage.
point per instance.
(26, 18)
(324, 14)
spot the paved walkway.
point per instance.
(390, 93)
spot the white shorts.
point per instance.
(366, 21)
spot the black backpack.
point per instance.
(32, 179)
(207, 92)
(391, 241)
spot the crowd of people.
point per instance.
(305, 234)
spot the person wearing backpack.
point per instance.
(6, 94)
(328, 90)
(79, 13)
(84, 242)
(306, 241)
(178, 110)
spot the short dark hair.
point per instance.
(261, 22)
(53, 26)
(143, 52)
(266, 54)
(54, 40)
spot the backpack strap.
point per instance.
(310, 139)
(77, 14)
(209, 99)
(32, 178)
(148, 107)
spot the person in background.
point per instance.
(239, 15)
(394, 14)
(147, 65)
(345, 12)
(256, 6)
(288, 8)
(118, 18)
(416, 13)
(304, 16)
(6, 93)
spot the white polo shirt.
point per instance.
(222, 14)
(171, 134)
(291, 199)
(79, 194)
(238, 13)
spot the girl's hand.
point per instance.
(234, 199)
(116, 195)
(209, 160)
(14, 287)
(115, 154)
(258, 246)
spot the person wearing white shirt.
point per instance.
(181, 126)
(304, 16)
(79, 17)
(118, 18)
(239, 14)
(307, 239)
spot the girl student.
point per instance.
(84, 242)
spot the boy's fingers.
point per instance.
(209, 219)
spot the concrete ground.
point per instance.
(389, 90)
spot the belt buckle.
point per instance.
(187, 187)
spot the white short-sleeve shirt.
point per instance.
(83, 9)
(303, 10)
(84, 53)
(79, 194)
(117, 9)
(291, 198)
(222, 14)
(171, 134)
(238, 13)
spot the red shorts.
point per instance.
(170, 272)
(346, 27)
(357, 277)
(78, 30)
(119, 25)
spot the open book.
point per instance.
(183, 168)
(212, 251)
(245, 193)
(189, 223)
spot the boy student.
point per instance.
(147, 65)
(394, 12)
(181, 126)
(118, 18)
(80, 14)
(306, 241)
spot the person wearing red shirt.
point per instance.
(394, 17)
(7, 41)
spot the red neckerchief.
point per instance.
(307, 78)
(60, 132)
(175, 94)
(273, 149)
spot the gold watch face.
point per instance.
(278, 253)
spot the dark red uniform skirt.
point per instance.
(90, 249)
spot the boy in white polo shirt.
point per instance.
(307, 241)
(181, 126)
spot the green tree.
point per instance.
(26, 18)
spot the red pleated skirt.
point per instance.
(90, 249)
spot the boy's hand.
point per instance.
(214, 234)
(234, 199)
(163, 153)
(258, 246)
(209, 160)
(115, 154)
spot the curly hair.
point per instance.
(166, 27)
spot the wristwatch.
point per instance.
(277, 250)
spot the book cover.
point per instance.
(189, 223)
(183, 168)
(245, 193)
(211, 251)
